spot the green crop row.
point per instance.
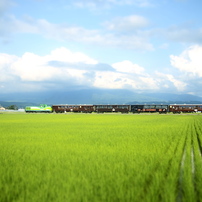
(100, 157)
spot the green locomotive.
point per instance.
(38, 109)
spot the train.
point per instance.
(43, 108)
(115, 108)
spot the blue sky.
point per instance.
(140, 45)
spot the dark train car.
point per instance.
(185, 108)
(86, 108)
(136, 108)
(112, 108)
(149, 108)
(63, 108)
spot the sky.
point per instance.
(138, 45)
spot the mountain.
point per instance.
(171, 98)
(95, 96)
(18, 104)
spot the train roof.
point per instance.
(72, 105)
(186, 104)
(125, 104)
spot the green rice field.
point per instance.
(100, 157)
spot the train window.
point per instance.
(164, 106)
(122, 106)
(149, 106)
(146, 107)
(100, 106)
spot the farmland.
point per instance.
(100, 157)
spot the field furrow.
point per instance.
(197, 159)
(198, 132)
(157, 168)
(181, 170)
(188, 175)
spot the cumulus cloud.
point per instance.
(118, 80)
(128, 67)
(64, 69)
(167, 81)
(65, 55)
(33, 72)
(189, 61)
(77, 69)
(5, 67)
(112, 80)
(189, 64)
(31, 67)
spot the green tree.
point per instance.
(13, 107)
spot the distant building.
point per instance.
(2, 108)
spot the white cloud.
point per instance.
(65, 55)
(6, 60)
(5, 63)
(169, 81)
(64, 32)
(4, 5)
(127, 75)
(190, 61)
(128, 23)
(63, 69)
(149, 83)
(70, 68)
(164, 46)
(112, 80)
(129, 32)
(92, 4)
(118, 80)
(184, 33)
(4, 21)
(180, 86)
(128, 67)
(34, 68)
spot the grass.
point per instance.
(100, 157)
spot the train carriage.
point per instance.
(124, 108)
(63, 108)
(185, 108)
(149, 108)
(112, 108)
(43, 108)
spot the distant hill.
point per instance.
(18, 104)
(169, 98)
(94, 96)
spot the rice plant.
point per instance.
(100, 157)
